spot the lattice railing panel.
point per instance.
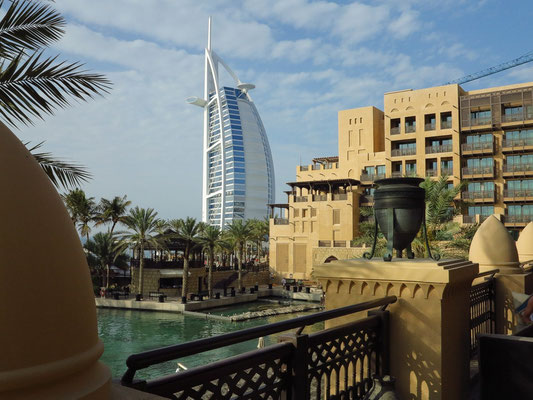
(482, 318)
(263, 374)
(341, 361)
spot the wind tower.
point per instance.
(238, 172)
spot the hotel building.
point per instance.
(483, 137)
(238, 172)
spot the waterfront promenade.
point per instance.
(173, 304)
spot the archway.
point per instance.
(330, 259)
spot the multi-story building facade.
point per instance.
(238, 172)
(483, 137)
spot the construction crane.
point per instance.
(492, 70)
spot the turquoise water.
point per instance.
(126, 332)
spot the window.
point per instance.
(336, 217)
(396, 169)
(313, 212)
(446, 120)
(170, 283)
(369, 170)
(380, 170)
(446, 167)
(512, 113)
(431, 167)
(403, 148)
(481, 117)
(304, 212)
(410, 124)
(429, 122)
(480, 210)
(410, 168)
(395, 126)
(296, 212)
(481, 187)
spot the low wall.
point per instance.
(321, 254)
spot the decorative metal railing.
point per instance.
(395, 130)
(336, 363)
(281, 221)
(482, 315)
(479, 194)
(506, 143)
(478, 146)
(442, 148)
(408, 151)
(320, 197)
(324, 243)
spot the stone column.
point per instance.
(493, 248)
(429, 324)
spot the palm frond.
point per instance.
(60, 172)
(36, 86)
(28, 25)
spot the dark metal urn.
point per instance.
(399, 210)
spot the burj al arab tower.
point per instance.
(238, 173)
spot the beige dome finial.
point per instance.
(524, 244)
(48, 328)
(493, 247)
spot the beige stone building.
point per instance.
(484, 137)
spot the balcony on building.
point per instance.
(501, 107)
(400, 149)
(479, 196)
(519, 140)
(518, 169)
(372, 173)
(438, 146)
(478, 172)
(471, 219)
(518, 220)
(395, 126)
(518, 195)
(430, 122)
(323, 190)
(478, 144)
(279, 213)
(410, 124)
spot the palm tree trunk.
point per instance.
(210, 273)
(107, 276)
(239, 265)
(185, 286)
(141, 269)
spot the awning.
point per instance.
(171, 273)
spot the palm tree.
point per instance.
(142, 223)
(102, 252)
(240, 232)
(187, 230)
(60, 172)
(82, 210)
(113, 211)
(440, 203)
(32, 85)
(260, 231)
(210, 238)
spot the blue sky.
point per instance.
(308, 60)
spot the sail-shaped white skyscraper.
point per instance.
(238, 173)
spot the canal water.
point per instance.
(125, 332)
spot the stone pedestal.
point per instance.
(429, 324)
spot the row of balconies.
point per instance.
(320, 197)
(396, 130)
(411, 151)
(488, 120)
(318, 167)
